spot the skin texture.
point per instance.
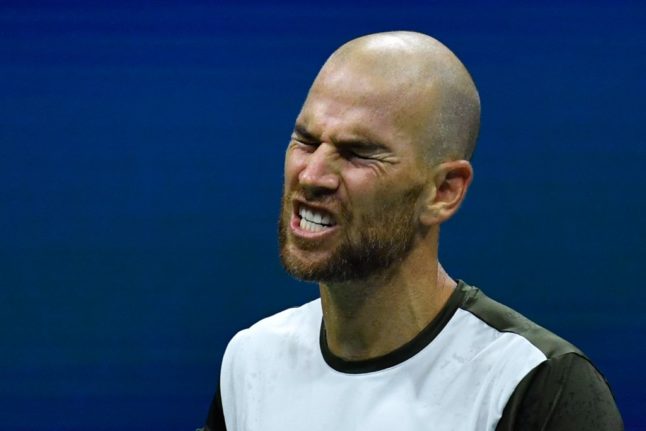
(381, 146)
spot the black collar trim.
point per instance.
(402, 353)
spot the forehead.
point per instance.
(348, 101)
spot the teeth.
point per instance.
(314, 221)
(312, 227)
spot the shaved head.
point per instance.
(430, 89)
(377, 159)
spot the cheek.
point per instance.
(293, 165)
(365, 186)
(370, 199)
(362, 198)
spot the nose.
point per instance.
(319, 175)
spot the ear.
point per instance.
(450, 181)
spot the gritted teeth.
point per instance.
(314, 220)
(311, 227)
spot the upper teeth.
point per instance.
(315, 217)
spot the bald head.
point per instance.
(420, 78)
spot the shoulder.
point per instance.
(564, 391)
(506, 320)
(293, 325)
(274, 343)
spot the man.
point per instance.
(378, 160)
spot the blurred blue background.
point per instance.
(141, 149)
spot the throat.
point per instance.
(365, 321)
(362, 326)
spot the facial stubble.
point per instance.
(370, 245)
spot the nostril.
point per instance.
(313, 193)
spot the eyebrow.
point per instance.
(302, 132)
(364, 144)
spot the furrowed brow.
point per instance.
(302, 132)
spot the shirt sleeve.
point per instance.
(215, 418)
(563, 393)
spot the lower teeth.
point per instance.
(310, 226)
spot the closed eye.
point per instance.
(348, 149)
(348, 153)
(303, 137)
(306, 145)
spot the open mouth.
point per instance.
(314, 220)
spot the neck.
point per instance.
(370, 318)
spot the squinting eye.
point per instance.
(306, 145)
(349, 154)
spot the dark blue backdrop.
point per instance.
(141, 154)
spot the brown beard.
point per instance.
(376, 243)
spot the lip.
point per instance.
(295, 222)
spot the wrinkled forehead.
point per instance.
(383, 94)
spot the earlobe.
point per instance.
(451, 181)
